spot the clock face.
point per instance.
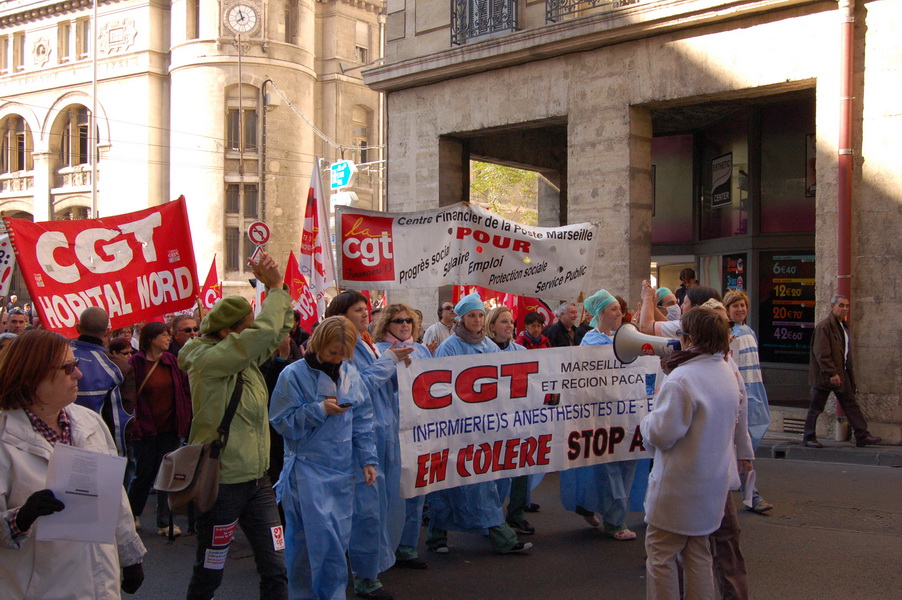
(242, 18)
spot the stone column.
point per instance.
(43, 182)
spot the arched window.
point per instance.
(17, 146)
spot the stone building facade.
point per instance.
(632, 110)
(179, 112)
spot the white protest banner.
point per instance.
(7, 264)
(461, 244)
(466, 419)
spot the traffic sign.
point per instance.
(258, 233)
(343, 174)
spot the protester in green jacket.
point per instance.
(234, 343)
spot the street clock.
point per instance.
(242, 18)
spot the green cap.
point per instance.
(225, 313)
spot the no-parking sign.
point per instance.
(258, 233)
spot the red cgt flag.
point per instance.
(302, 299)
(135, 266)
(212, 289)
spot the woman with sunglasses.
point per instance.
(371, 550)
(162, 417)
(400, 324)
(120, 347)
(38, 387)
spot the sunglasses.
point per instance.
(125, 352)
(447, 308)
(407, 321)
(190, 329)
(69, 367)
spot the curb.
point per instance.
(832, 452)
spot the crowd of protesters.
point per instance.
(315, 448)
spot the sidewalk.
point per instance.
(789, 446)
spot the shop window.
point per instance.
(788, 167)
(724, 198)
(672, 170)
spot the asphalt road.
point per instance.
(836, 532)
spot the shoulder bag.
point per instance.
(190, 475)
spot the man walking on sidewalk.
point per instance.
(830, 370)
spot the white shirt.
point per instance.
(437, 332)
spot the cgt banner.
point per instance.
(473, 418)
(459, 244)
(130, 265)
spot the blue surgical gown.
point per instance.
(475, 507)
(603, 488)
(323, 455)
(375, 521)
(413, 507)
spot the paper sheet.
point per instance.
(90, 485)
(748, 495)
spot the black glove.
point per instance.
(39, 504)
(132, 578)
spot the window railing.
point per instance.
(472, 19)
(558, 10)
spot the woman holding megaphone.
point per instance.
(604, 488)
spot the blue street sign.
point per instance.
(342, 174)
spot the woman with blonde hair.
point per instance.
(744, 348)
(501, 328)
(399, 324)
(321, 409)
(371, 550)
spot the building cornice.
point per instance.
(577, 35)
(33, 11)
(373, 6)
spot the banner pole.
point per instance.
(200, 307)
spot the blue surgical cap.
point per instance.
(659, 295)
(468, 303)
(596, 303)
